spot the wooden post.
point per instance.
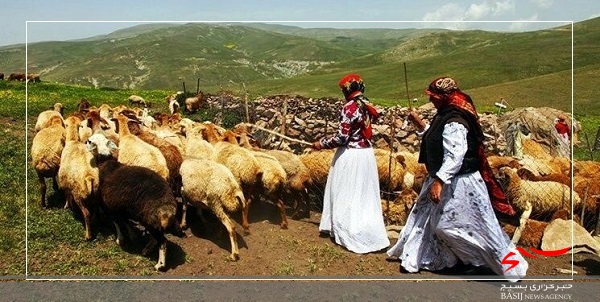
(183, 83)
(284, 116)
(198, 87)
(246, 103)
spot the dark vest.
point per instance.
(432, 151)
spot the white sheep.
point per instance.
(43, 119)
(78, 173)
(208, 184)
(138, 100)
(535, 197)
(46, 150)
(134, 151)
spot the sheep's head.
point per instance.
(504, 176)
(100, 146)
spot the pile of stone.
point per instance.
(309, 119)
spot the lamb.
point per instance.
(46, 150)
(43, 119)
(78, 173)
(137, 100)
(137, 193)
(208, 184)
(538, 198)
(134, 151)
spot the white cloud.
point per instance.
(543, 3)
(476, 11)
(448, 12)
(521, 26)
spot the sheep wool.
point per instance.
(218, 191)
(46, 150)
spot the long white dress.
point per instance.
(461, 226)
(352, 212)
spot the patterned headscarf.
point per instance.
(446, 89)
(352, 85)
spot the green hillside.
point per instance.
(525, 68)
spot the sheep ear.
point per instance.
(111, 145)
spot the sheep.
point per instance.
(78, 173)
(173, 106)
(273, 183)
(46, 150)
(134, 151)
(192, 104)
(399, 208)
(195, 144)
(208, 184)
(526, 174)
(137, 100)
(172, 155)
(17, 77)
(538, 198)
(586, 168)
(33, 78)
(298, 180)
(43, 119)
(389, 162)
(241, 162)
(83, 106)
(136, 193)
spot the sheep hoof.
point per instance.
(284, 226)
(234, 257)
(246, 232)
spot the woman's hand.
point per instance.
(435, 191)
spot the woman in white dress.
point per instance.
(453, 218)
(352, 213)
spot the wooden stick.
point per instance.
(279, 134)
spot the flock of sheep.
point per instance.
(129, 166)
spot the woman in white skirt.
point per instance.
(352, 213)
(453, 218)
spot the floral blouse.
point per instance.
(350, 133)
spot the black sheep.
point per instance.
(136, 193)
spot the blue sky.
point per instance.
(465, 14)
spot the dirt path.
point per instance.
(300, 252)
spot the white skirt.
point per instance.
(352, 212)
(461, 226)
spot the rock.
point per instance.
(554, 238)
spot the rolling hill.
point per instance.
(528, 67)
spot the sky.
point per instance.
(44, 20)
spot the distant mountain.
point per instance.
(272, 59)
